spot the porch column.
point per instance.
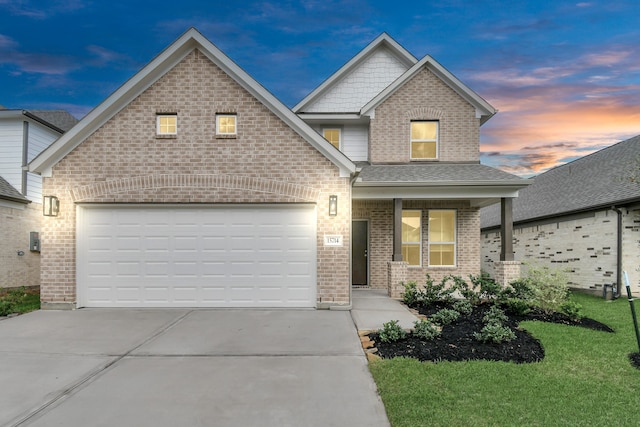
(397, 230)
(506, 229)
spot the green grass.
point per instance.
(586, 379)
(18, 300)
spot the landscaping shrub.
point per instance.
(391, 331)
(411, 296)
(463, 307)
(488, 288)
(495, 332)
(572, 309)
(426, 330)
(495, 315)
(433, 293)
(549, 287)
(517, 306)
(6, 308)
(465, 290)
(520, 289)
(444, 316)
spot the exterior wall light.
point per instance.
(333, 205)
(50, 206)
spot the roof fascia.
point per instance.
(484, 110)
(21, 114)
(160, 65)
(382, 40)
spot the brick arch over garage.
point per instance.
(105, 189)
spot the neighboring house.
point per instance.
(193, 186)
(23, 135)
(582, 217)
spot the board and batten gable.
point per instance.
(125, 162)
(424, 97)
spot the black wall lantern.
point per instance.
(50, 206)
(333, 205)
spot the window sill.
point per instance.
(166, 136)
(226, 136)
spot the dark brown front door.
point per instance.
(359, 252)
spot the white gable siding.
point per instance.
(39, 139)
(11, 152)
(355, 140)
(360, 85)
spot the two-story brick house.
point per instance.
(192, 185)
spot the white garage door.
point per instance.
(155, 256)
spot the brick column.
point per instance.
(505, 272)
(397, 274)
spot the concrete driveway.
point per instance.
(181, 367)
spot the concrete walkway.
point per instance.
(182, 367)
(372, 308)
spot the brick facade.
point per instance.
(19, 270)
(424, 97)
(124, 162)
(380, 216)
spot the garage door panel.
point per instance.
(197, 257)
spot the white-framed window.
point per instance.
(226, 124)
(333, 135)
(412, 237)
(424, 140)
(167, 124)
(442, 238)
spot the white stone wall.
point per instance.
(585, 246)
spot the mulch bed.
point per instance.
(457, 343)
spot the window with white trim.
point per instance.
(412, 237)
(226, 124)
(167, 124)
(442, 238)
(424, 140)
(333, 136)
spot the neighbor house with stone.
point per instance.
(23, 135)
(193, 186)
(582, 217)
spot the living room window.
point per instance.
(226, 124)
(333, 136)
(412, 237)
(442, 238)
(424, 140)
(167, 124)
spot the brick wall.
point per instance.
(15, 270)
(380, 216)
(586, 247)
(124, 162)
(424, 97)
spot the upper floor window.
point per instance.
(167, 124)
(333, 136)
(412, 237)
(424, 140)
(442, 238)
(226, 124)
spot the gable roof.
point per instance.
(484, 110)
(7, 192)
(161, 64)
(382, 41)
(606, 178)
(57, 120)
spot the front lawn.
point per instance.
(585, 379)
(18, 301)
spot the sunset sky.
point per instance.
(564, 75)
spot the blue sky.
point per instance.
(564, 75)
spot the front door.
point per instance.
(359, 252)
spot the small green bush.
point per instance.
(463, 307)
(520, 289)
(411, 295)
(549, 287)
(495, 314)
(6, 308)
(426, 330)
(391, 331)
(468, 292)
(488, 288)
(517, 306)
(440, 292)
(495, 332)
(444, 316)
(572, 309)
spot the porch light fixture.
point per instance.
(333, 205)
(50, 206)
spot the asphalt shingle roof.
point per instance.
(435, 173)
(610, 176)
(59, 118)
(9, 193)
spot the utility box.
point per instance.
(34, 241)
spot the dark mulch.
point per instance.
(457, 343)
(635, 360)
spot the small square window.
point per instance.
(226, 124)
(167, 124)
(424, 140)
(333, 136)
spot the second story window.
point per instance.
(424, 140)
(333, 136)
(167, 124)
(226, 125)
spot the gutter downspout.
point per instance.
(618, 290)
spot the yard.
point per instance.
(585, 379)
(18, 301)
